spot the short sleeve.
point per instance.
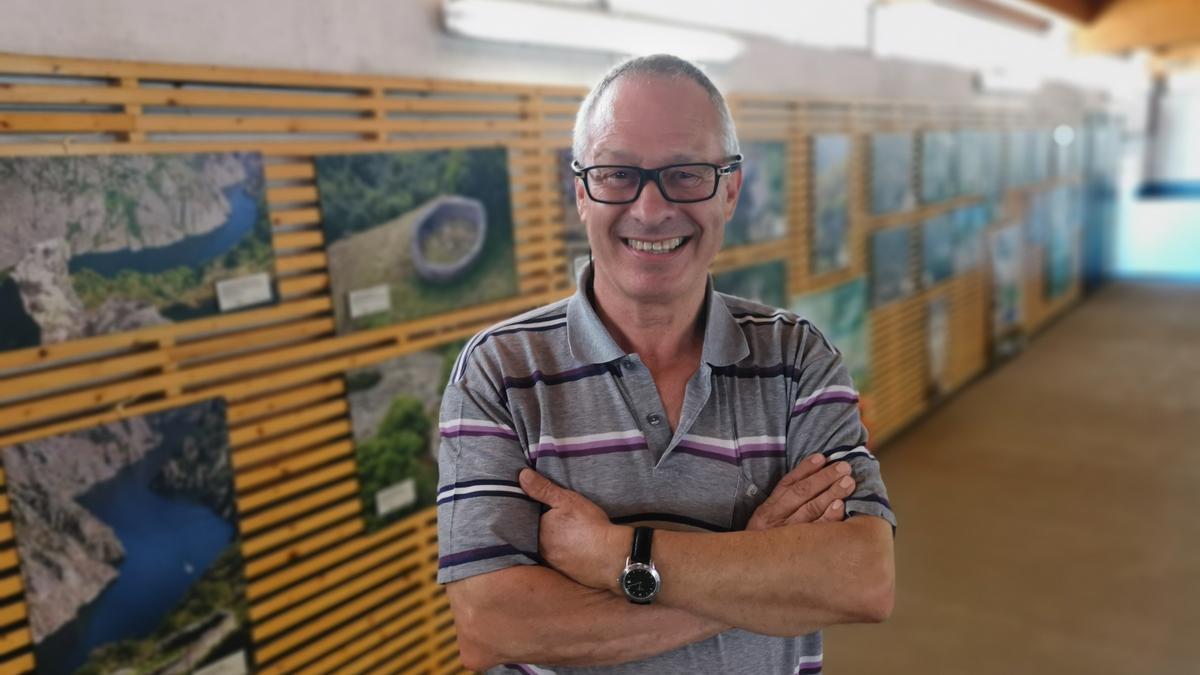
(825, 419)
(485, 521)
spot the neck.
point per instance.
(660, 333)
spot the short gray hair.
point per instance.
(660, 65)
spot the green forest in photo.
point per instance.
(368, 204)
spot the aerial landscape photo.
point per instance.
(99, 245)
(111, 585)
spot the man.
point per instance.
(725, 431)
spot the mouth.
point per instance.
(659, 247)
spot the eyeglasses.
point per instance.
(679, 183)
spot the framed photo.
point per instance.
(761, 213)
(765, 283)
(891, 278)
(939, 176)
(891, 173)
(831, 216)
(840, 314)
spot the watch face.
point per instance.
(640, 583)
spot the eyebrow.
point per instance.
(631, 158)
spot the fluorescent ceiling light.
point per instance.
(571, 27)
(821, 23)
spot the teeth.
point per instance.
(664, 246)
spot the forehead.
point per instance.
(651, 119)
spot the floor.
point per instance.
(1050, 512)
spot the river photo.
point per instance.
(99, 245)
(128, 546)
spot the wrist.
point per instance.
(618, 543)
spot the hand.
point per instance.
(575, 536)
(807, 494)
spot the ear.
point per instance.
(731, 187)
(581, 197)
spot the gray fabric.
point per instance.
(553, 390)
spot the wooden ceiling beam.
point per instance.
(1123, 25)
(1082, 11)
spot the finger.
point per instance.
(836, 512)
(813, 510)
(787, 500)
(804, 469)
(542, 489)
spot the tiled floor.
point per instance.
(1050, 513)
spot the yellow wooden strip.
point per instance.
(275, 515)
(296, 217)
(8, 558)
(12, 613)
(303, 239)
(305, 547)
(295, 263)
(243, 435)
(287, 195)
(292, 466)
(275, 335)
(270, 148)
(336, 558)
(153, 334)
(28, 385)
(6, 532)
(215, 98)
(310, 283)
(395, 553)
(265, 541)
(247, 457)
(242, 411)
(180, 124)
(67, 122)
(22, 663)
(297, 171)
(305, 482)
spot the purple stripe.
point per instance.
(825, 399)
(811, 669)
(709, 455)
(479, 431)
(764, 453)
(485, 553)
(586, 452)
(555, 378)
(751, 448)
(520, 668)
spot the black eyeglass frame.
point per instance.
(655, 175)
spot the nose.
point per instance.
(651, 207)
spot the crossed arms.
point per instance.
(798, 567)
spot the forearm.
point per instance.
(535, 615)
(785, 581)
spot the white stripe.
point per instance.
(860, 450)
(809, 660)
(607, 436)
(833, 389)
(735, 443)
(460, 365)
(453, 492)
(452, 425)
(763, 319)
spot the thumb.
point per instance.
(542, 489)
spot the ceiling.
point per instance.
(1168, 29)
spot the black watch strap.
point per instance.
(642, 537)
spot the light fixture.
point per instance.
(568, 26)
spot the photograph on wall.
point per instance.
(574, 233)
(128, 546)
(100, 245)
(973, 170)
(969, 224)
(939, 177)
(412, 234)
(937, 249)
(1016, 159)
(1040, 143)
(840, 313)
(937, 333)
(891, 277)
(991, 152)
(765, 283)
(394, 408)
(761, 213)
(1007, 290)
(891, 173)
(1039, 215)
(831, 215)
(1060, 259)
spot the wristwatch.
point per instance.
(639, 579)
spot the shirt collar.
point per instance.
(590, 342)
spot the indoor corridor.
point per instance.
(1048, 513)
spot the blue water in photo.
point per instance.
(188, 252)
(169, 544)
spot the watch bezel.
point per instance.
(631, 566)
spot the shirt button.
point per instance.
(752, 490)
(654, 419)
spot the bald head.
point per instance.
(597, 107)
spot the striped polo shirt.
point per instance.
(551, 389)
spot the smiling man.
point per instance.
(650, 476)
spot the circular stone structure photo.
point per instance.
(448, 237)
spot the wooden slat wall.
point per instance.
(324, 595)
